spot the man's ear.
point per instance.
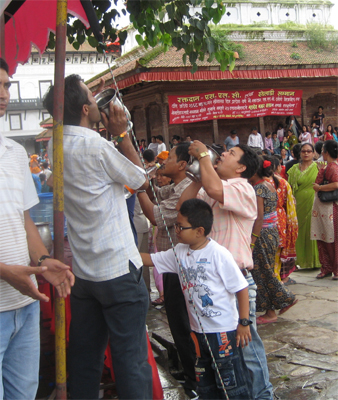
(241, 169)
(182, 164)
(85, 109)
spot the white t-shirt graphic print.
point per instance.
(212, 278)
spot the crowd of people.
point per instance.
(222, 248)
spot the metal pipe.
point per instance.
(59, 77)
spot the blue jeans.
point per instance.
(20, 352)
(230, 364)
(254, 353)
(116, 310)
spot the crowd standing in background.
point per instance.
(263, 217)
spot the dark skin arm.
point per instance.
(116, 125)
(146, 260)
(57, 273)
(147, 207)
(259, 221)
(243, 335)
(210, 180)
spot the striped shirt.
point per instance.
(234, 219)
(17, 194)
(168, 197)
(98, 225)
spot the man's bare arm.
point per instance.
(57, 273)
(211, 182)
(147, 207)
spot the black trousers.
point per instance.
(179, 326)
(116, 310)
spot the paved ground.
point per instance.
(302, 346)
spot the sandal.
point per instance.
(290, 282)
(285, 309)
(335, 278)
(158, 302)
(322, 275)
(261, 320)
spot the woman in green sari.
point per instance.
(302, 176)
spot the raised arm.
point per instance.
(210, 180)
(189, 193)
(117, 126)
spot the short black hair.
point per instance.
(318, 146)
(198, 214)
(181, 150)
(149, 155)
(4, 65)
(45, 165)
(42, 177)
(249, 159)
(75, 98)
(159, 137)
(254, 129)
(331, 147)
(268, 133)
(233, 132)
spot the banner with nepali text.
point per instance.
(229, 104)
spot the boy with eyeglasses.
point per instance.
(212, 280)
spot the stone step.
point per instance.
(160, 353)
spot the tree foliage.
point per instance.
(180, 23)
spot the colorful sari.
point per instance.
(302, 186)
(271, 293)
(287, 228)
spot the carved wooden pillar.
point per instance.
(165, 125)
(215, 131)
(304, 115)
(261, 126)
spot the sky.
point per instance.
(334, 14)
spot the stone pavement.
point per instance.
(302, 346)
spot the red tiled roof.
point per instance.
(258, 55)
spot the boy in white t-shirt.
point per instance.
(213, 280)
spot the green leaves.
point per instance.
(165, 22)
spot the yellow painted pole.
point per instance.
(59, 77)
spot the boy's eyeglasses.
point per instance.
(182, 228)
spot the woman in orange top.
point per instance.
(34, 164)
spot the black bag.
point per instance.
(326, 197)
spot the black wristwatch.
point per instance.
(40, 260)
(244, 322)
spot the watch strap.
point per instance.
(41, 259)
(245, 321)
(204, 154)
